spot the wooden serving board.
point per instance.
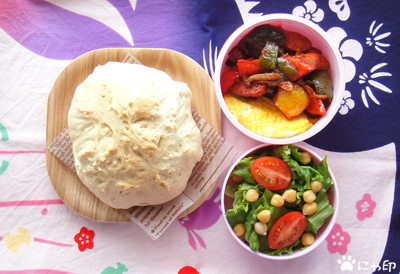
(178, 66)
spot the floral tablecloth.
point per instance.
(40, 234)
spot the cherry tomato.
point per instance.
(271, 173)
(287, 230)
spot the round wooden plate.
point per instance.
(178, 66)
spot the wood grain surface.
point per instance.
(178, 66)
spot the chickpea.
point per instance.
(309, 196)
(305, 157)
(252, 195)
(307, 239)
(289, 195)
(277, 200)
(264, 216)
(316, 186)
(237, 179)
(260, 228)
(310, 208)
(239, 229)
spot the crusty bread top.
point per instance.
(133, 134)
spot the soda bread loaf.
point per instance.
(133, 134)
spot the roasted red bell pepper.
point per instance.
(303, 63)
(228, 79)
(296, 42)
(324, 62)
(249, 67)
(316, 107)
(236, 54)
(254, 90)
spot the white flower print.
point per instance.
(375, 40)
(309, 11)
(341, 8)
(104, 12)
(212, 60)
(364, 78)
(349, 48)
(347, 103)
(245, 8)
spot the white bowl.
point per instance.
(323, 232)
(319, 39)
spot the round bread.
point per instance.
(134, 138)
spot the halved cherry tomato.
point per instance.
(271, 173)
(249, 67)
(255, 90)
(228, 78)
(286, 230)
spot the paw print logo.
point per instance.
(346, 263)
(338, 240)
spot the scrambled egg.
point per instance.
(263, 117)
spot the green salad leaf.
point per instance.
(315, 221)
(243, 170)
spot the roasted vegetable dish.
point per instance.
(282, 66)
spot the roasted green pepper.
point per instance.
(269, 55)
(286, 69)
(321, 82)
